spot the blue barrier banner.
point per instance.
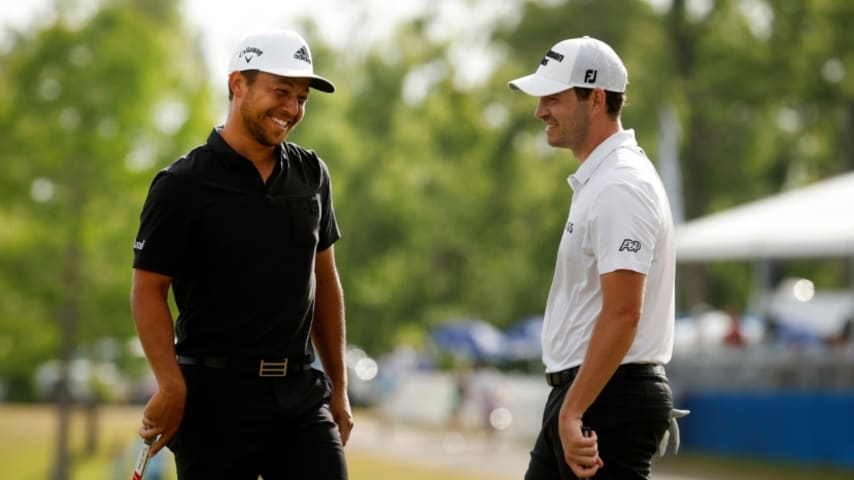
(801, 427)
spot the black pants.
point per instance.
(237, 426)
(629, 417)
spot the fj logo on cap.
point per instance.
(302, 54)
(553, 55)
(245, 53)
(590, 76)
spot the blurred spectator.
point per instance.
(779, 332)
(734, 337)
(484, 389)
(842, 342)
(459, 395)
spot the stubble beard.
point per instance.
(255, 125)
(577, 133)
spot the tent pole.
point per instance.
(761, 286)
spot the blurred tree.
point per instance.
(761, 91)
(90, 109)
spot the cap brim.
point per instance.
(537, 85)
(317, 82)
(322, 84)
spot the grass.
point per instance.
(368, 468)
(27, 446)
(28, 441)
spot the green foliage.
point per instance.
(92, 117)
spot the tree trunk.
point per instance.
(69, 317)
(91, 446)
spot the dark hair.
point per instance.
(614, 100)
(249, 75)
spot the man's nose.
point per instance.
(291, 105)
(540, 111)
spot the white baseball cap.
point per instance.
(280, 52)
(577, 62)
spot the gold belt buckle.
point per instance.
(273, 369)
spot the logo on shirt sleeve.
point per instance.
(138, 246)
(630, 245)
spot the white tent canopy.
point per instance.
(807, 222)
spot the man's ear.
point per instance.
(237, 83)
(598, 100)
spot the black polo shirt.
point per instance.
(241, 252)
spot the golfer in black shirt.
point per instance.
(242, 228)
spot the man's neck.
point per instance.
(597, 135)
(239, 139)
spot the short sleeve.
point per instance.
(624, 228)
(163, 236)
(328, 232)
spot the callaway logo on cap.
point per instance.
(577, 62)
(280, 52)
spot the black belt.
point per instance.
(262, 367)
(626, 370)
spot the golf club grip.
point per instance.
(142, 461)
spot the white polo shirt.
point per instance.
(619, 219)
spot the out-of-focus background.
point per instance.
(451, 206)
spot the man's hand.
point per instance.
(339, 405)
(162, 416)
(581, 453)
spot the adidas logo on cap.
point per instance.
(302, 54)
